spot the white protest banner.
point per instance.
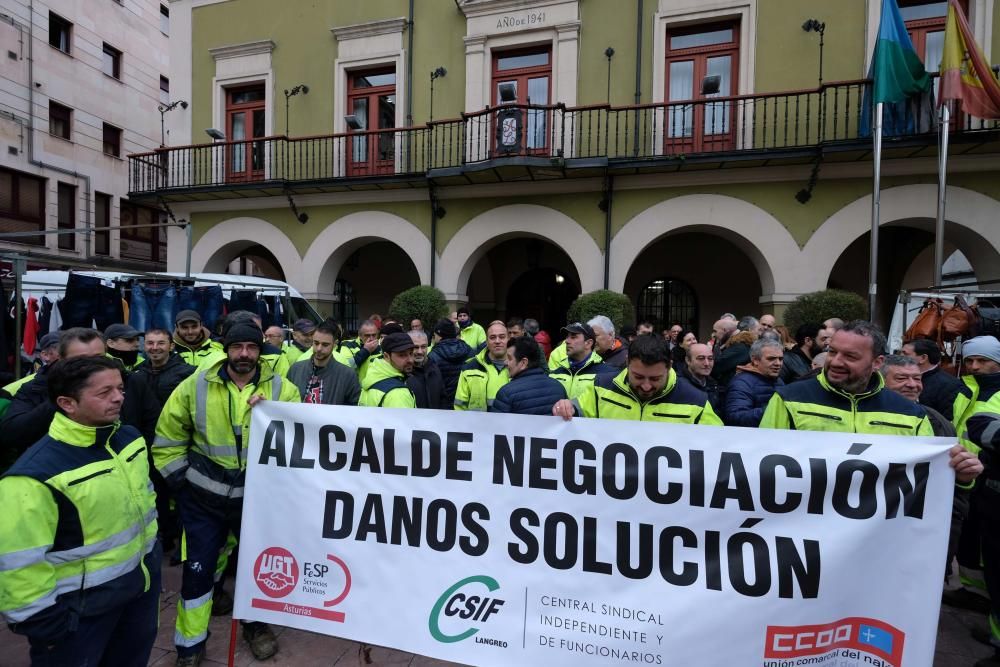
(515, 540)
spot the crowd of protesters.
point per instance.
(170, 425)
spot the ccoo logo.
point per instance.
(276, 572)
(466, 605)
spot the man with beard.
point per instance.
(484, 374)
(201, 451)
(647, 390)
(582, 365)
(384, 385)
(191, 340)
(425, 380)
(320, 378)
(810, 340)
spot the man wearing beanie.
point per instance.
(978, 552)
(384, 385)
(201, 451)
(449, 353)
(473, 334)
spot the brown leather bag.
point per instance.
(959, 320)
(927, 322)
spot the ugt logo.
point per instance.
(455, 602)
(276, 572)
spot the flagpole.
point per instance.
(873, 253)
(942, 188)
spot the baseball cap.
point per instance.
(48, 340)
(187, 316)
(580, 328)
(397, 342)
(304, 325)
(121, 331)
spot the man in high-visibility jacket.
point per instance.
(191, 340)
(473, 334)
(582, 365)
(385, 385)
(79, 558)
(484, 374)
(647, 390)
(201, 451)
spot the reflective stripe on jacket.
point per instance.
(196, 355)
(78, 532)
(478, 383)
(203, 431)
(583, 379)
(814, 405)
(679, 402)
(980, 393)
(385, 387)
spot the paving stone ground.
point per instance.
(955, 646)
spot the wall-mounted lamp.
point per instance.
(217, 135)
(508, 92)
(436, 74)
(608, 53)
(352, 123)
(301, 88)
(813, 25)
(163, 109)
(301, 217)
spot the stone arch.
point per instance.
(500, 224)
(338, 241)
(226, 240)
(753, 230)
(971, 227)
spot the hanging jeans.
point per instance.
(206, 301)
(88, 301)
(153, 306)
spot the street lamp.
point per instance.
(436, 74)
(217, 135)
(301, 88)
(813, 25)
(163, 109)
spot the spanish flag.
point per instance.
(965, 74)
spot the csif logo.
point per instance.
(462, 601)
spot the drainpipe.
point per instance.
(31, 131)
(409, 86)
(638, 54)
(605, 205)
(434, 226)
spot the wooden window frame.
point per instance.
(246, 150)
(698, 141)
(372, 164)
(521, 75)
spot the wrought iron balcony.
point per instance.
(542, 141)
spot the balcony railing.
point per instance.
(542, 136)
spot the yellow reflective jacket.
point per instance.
(204, 428)
(680, 402)
(478, 383)
(195, 355)
(981, 393)
(385, 387)
(583, 379)
(474, 335)
(78, 530)
(814, 405)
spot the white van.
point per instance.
(53, 285)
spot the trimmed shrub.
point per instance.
(602, 302)
(422, 302)
(815, 307)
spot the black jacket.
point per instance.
(795, 366)
(940, 390)
(726, 361)
(427, 385)
(30, 413)
(747, 397)
(530, 392)
(710, 387)
(617, 359)
(147, 390)
(450, 354)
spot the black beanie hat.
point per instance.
(243, 333)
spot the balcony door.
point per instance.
(245, 122)
(925, 23)
(694, 54)
(371, 99)
(522, 77)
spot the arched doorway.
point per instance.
(719, 275)
(542, 294)
(666, 301)
(256, 261)
(368, 280)
(524, 277)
